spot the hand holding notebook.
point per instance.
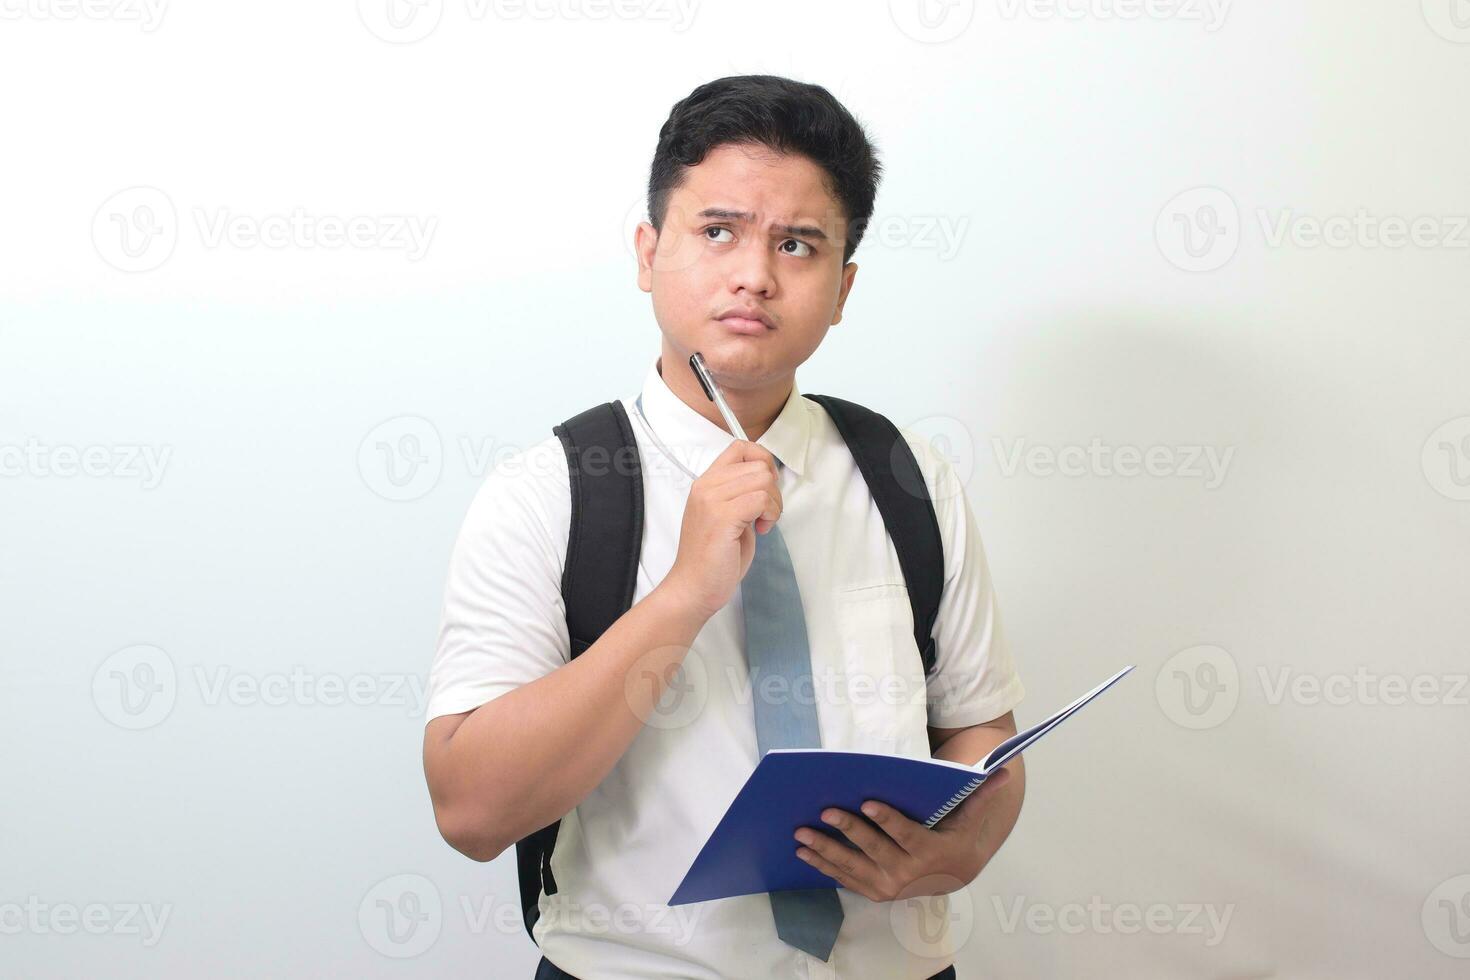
(752, 850)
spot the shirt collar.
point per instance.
(695, 441)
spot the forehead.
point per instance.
(775, 186)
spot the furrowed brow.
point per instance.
(798, 231)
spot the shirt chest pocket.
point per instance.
(883, 673)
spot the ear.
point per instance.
(645, 243)
(849, 272)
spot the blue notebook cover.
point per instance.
(752, 849)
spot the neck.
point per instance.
(756, 408)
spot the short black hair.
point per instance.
(783, 115)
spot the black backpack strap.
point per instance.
(606, 533)
(894, 479)
(603, 544)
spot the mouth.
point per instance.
(746, 325)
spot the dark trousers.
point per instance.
(547, 970)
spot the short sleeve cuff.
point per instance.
(977, 711)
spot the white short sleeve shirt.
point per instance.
(624, 849)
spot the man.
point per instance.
(759, 191)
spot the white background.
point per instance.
(319, 417)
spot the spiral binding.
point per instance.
(954, 801)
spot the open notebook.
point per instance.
(752, 849)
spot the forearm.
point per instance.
(969, 746)
(525, 759)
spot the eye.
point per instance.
(718, 229)
(799, 245)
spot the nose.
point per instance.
(751, 267)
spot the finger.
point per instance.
(735, 452)
(850, 861)
(752, 451)
(905, 833)
(743, 484)
(741, 470)
(757, 504)
(846, 869)
(875, 843)
(747, 449)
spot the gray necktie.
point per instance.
(776, 645)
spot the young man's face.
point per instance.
(747, 230)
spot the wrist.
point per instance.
(676, 600)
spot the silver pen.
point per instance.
(696, 362)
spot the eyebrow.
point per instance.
(801, 231)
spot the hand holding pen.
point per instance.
(737, 497)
